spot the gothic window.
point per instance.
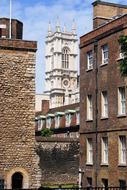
(52, 58)
(65, 58)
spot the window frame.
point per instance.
(90, 60)
(105, 54)
(122, 150)
(104, 151)
(104, 104)
(89, 107)
(121, 101)
(89, 149)
(65, 58)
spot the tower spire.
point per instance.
(73, 27)
(65, 28)
(58, 29)
(49, 29)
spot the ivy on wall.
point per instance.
(123, 62)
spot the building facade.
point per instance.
(103, 99)
(18, 158)
(61, 66)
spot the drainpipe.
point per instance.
(96, 110)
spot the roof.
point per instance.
(108, 4)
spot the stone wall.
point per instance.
(17, 99)
(59, 160)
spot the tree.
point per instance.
(123, 62)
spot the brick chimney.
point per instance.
(16, 28)
(105, 11)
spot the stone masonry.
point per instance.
(17, 126)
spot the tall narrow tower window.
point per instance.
(52, 58)
(65, 58)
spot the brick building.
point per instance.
(18, 159)
(63, 121)
(103, 107)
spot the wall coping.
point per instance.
(56, 139)
(18, 44)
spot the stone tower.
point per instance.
(18, 158)
(61, 65)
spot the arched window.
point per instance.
(65, 58)
(52, 58)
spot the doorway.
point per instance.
(17, 181)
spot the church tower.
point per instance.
(61, 64)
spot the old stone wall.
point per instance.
(59, 160)
(17, 98)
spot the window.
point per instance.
(89, 108)
(40, 124)
(90, 60)
(77, 118)
(89, 181)
(105, 183)
(52, 58)
(65, 58)
(122, 184)
(68, 120)
(104, 54)
(48, 122)
(122, 150)
(89, 151)
(104, 104)
(104, 152)
(121, 55)
(57, 121)
(121, 101)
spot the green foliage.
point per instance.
(123, 62)
(46, 132)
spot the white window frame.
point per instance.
(40, 123)
(68, 118)
(89, 159)
(104, 150)
(121, 101)
(105, 54)
(90, 60)
(104, 104)
(89, 108)
(57, 121)
(48, 122)
(77, 118)
(122, 150)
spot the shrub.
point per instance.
(46, 132)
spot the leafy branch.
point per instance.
(123, 62)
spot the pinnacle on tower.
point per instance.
(73, 27)
(65, 29)
(58, 29)
(49, 29)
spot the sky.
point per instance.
(36, 14)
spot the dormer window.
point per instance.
(49, 119)
(48, 122)
(68, 117)
(57, 121)
(77, 117)
(40, 122)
